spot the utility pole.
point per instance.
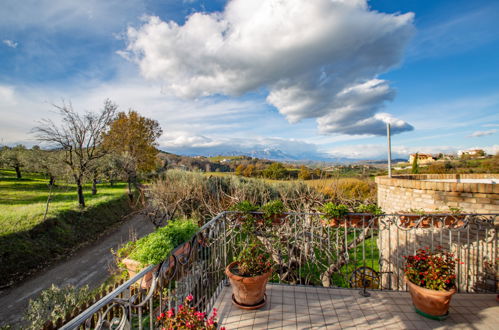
(389, 150)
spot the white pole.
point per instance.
(389, 150)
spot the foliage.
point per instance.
(132, 139)
(53, 303)
(369, 208)
(27, 242)
(415, 166)
(349, 191)
(434, 270)
(304, 173)
(157, 246)
(253, 261)
(273, 208)
(245, 207)
(275, 171)
(187, 317)
(79, 137)
(193, 195)
(332, 210)
(14, 157)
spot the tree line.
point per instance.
(88, 147)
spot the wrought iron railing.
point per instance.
(358, 250)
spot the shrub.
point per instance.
(245, 207)
(332, 210)
(157, 246)
(272, 208)
(55, 302)
(253, 261)
(369, 208)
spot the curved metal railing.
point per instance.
(308, 249)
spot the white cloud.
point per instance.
(10, 43)
(318, 59)
(483, 133)
(490, 125)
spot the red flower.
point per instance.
(189, 297)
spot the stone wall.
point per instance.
(475, 243)
(405, 192)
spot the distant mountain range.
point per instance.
(275, 154)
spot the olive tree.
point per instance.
(79, 136)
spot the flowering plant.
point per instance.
(434, 270)
(187, 317)
(252, 261)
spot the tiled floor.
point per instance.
(300, 307)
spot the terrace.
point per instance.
(321, 267)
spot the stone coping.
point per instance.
(416, 181)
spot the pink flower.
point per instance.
(189, 297)
(210, 322)
(170, 313)
(180, 307)
(215, 311)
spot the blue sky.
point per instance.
(312, 79)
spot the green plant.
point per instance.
(245, 207)
(187, 317)
(273, 208)
(434, 270)
(53, 303)
(332, 210)
(253, 261)
(157, 246)
(369, 208)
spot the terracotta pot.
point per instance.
(431, 302)
(333, 222)
(248, 291)
(410, 221)
(134, 267)
(278, 219)
(358, 221)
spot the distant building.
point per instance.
(472, 153)
(422, 158)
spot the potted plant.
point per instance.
(273, 211)
(156, 247)
(187, 317)
(362, 220)
(248, 276)
(430, 276)
(246, 211)
(333, 214)
(415, 218)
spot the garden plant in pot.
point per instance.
(273, 212)
(156, 247)
(333, 214)
(363, 221)
(430, 276)
(248, 276)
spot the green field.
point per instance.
(29, 243)
(23, 201)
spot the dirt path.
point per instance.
(87, 266)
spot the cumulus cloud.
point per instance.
(483, 133)
(317, 59)
(10, 43)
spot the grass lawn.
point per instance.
(23, 202)
(29, 243)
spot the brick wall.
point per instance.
(476, 245)
(405, 192)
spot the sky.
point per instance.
(312, 79)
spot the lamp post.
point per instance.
(389, 150)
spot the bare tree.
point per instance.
(79, 136)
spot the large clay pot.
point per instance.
(134, 267)
(248, 291)
(431, 302)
